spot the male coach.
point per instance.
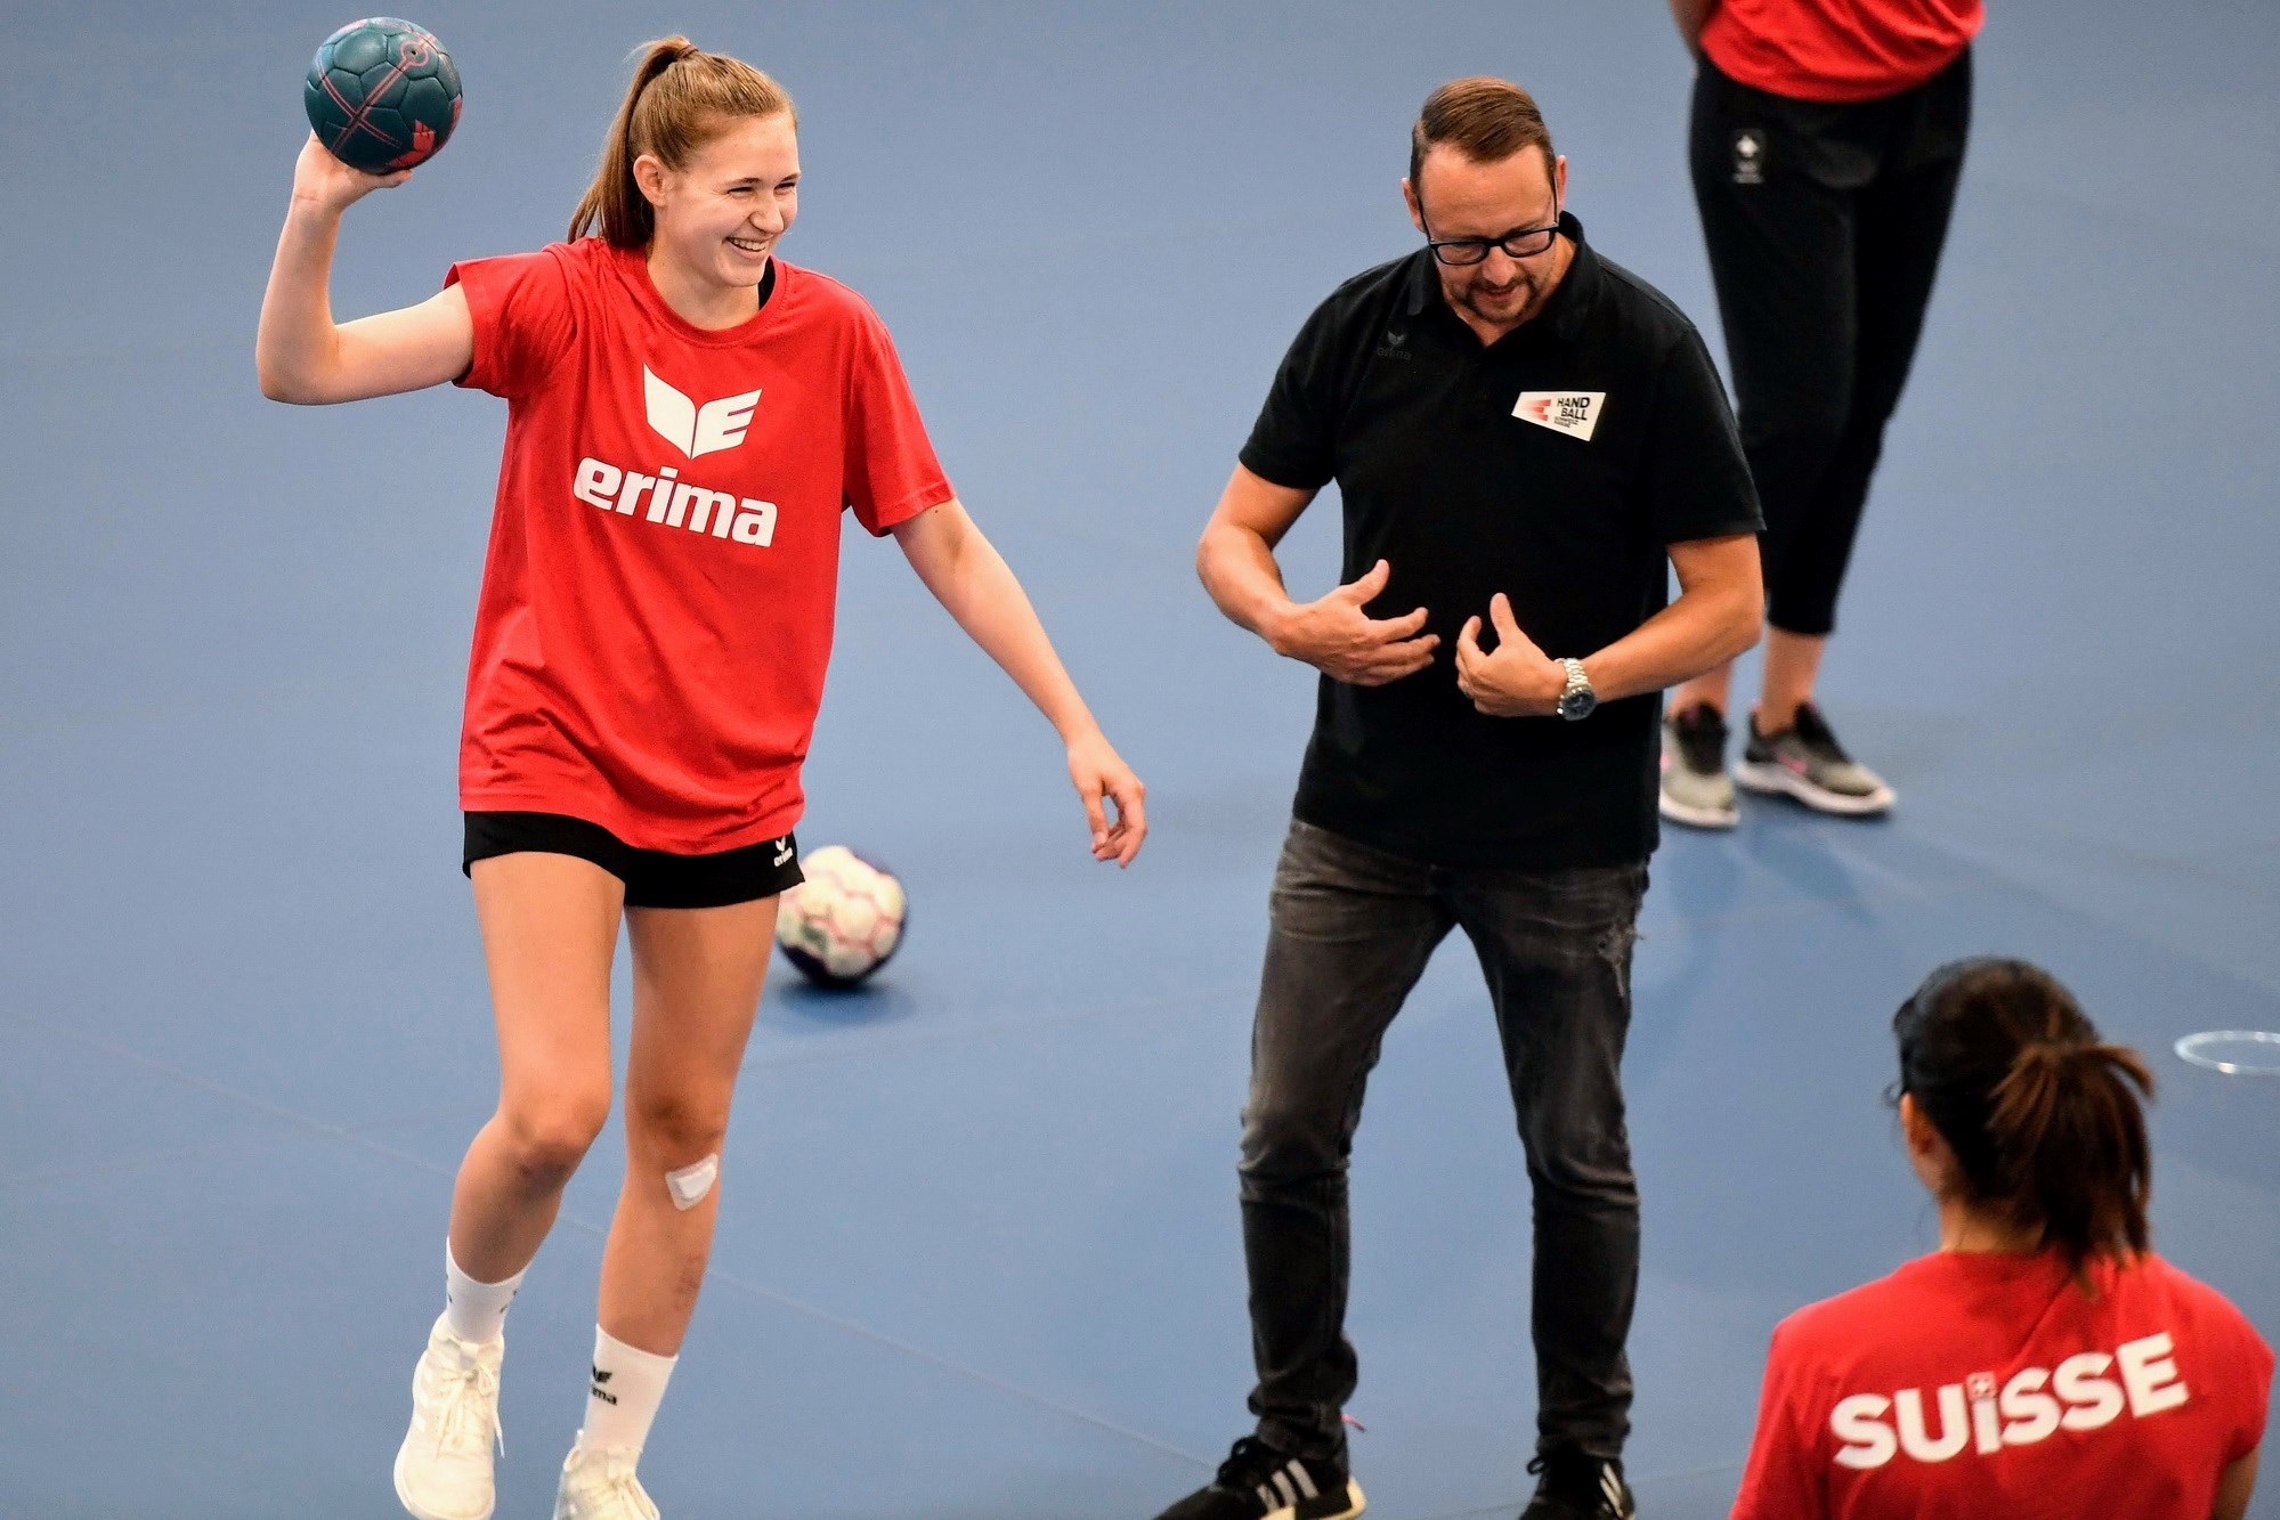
(1522, 432)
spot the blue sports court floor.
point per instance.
(980, 1258)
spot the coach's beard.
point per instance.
(1499, 308)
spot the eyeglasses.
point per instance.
(1519, 243)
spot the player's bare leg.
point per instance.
(1792, 665)
(697, 976)
(549, 935)
(549, 931)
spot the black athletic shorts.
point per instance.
(653, 878)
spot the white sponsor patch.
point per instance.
(1575, 413)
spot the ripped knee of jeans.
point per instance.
(1615, 948)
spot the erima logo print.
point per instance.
(694, 429)
(1575, 413)
(675, 502)
(601, 1377)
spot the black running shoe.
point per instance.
(1257, 1482)
(1577, 1486)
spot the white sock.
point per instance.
(621, 1400)
(476, 1311)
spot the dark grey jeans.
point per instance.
(1350, 931)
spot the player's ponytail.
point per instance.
(680, 97)
(2044, 1118)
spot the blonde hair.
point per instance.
(680, 99)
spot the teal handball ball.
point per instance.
(382, 95)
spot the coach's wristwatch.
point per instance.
(1577, 699)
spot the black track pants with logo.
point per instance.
(1824, 224)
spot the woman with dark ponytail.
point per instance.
(2044, 1362)
(687, 417)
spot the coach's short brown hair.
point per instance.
(1487, 120)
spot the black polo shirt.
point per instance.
(1553, 465)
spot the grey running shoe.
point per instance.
(1806, 762)
(1695, 788)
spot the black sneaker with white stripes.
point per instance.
(1257, 1482)
(1575, 1485)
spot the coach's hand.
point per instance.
(1346, 644)
(1518, 680)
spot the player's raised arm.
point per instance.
(302, 355)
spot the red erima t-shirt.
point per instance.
(1969, 1385)
(657, 605)
(1838, 49)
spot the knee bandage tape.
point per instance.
(690, 1184)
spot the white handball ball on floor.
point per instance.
(844, 921)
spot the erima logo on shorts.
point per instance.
(675, 502)
(2033, 1406)
(1575, 413)
(696, 430)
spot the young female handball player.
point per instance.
(688, 415)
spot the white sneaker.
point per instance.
(600, 1485)
(443, 1469)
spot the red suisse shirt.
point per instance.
(657, 605)
(1974, 1384)
(1838, 49)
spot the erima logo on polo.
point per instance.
(695, 429)
(1575, 413)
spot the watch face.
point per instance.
(1579, 699)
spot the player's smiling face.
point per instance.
(720, 216)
